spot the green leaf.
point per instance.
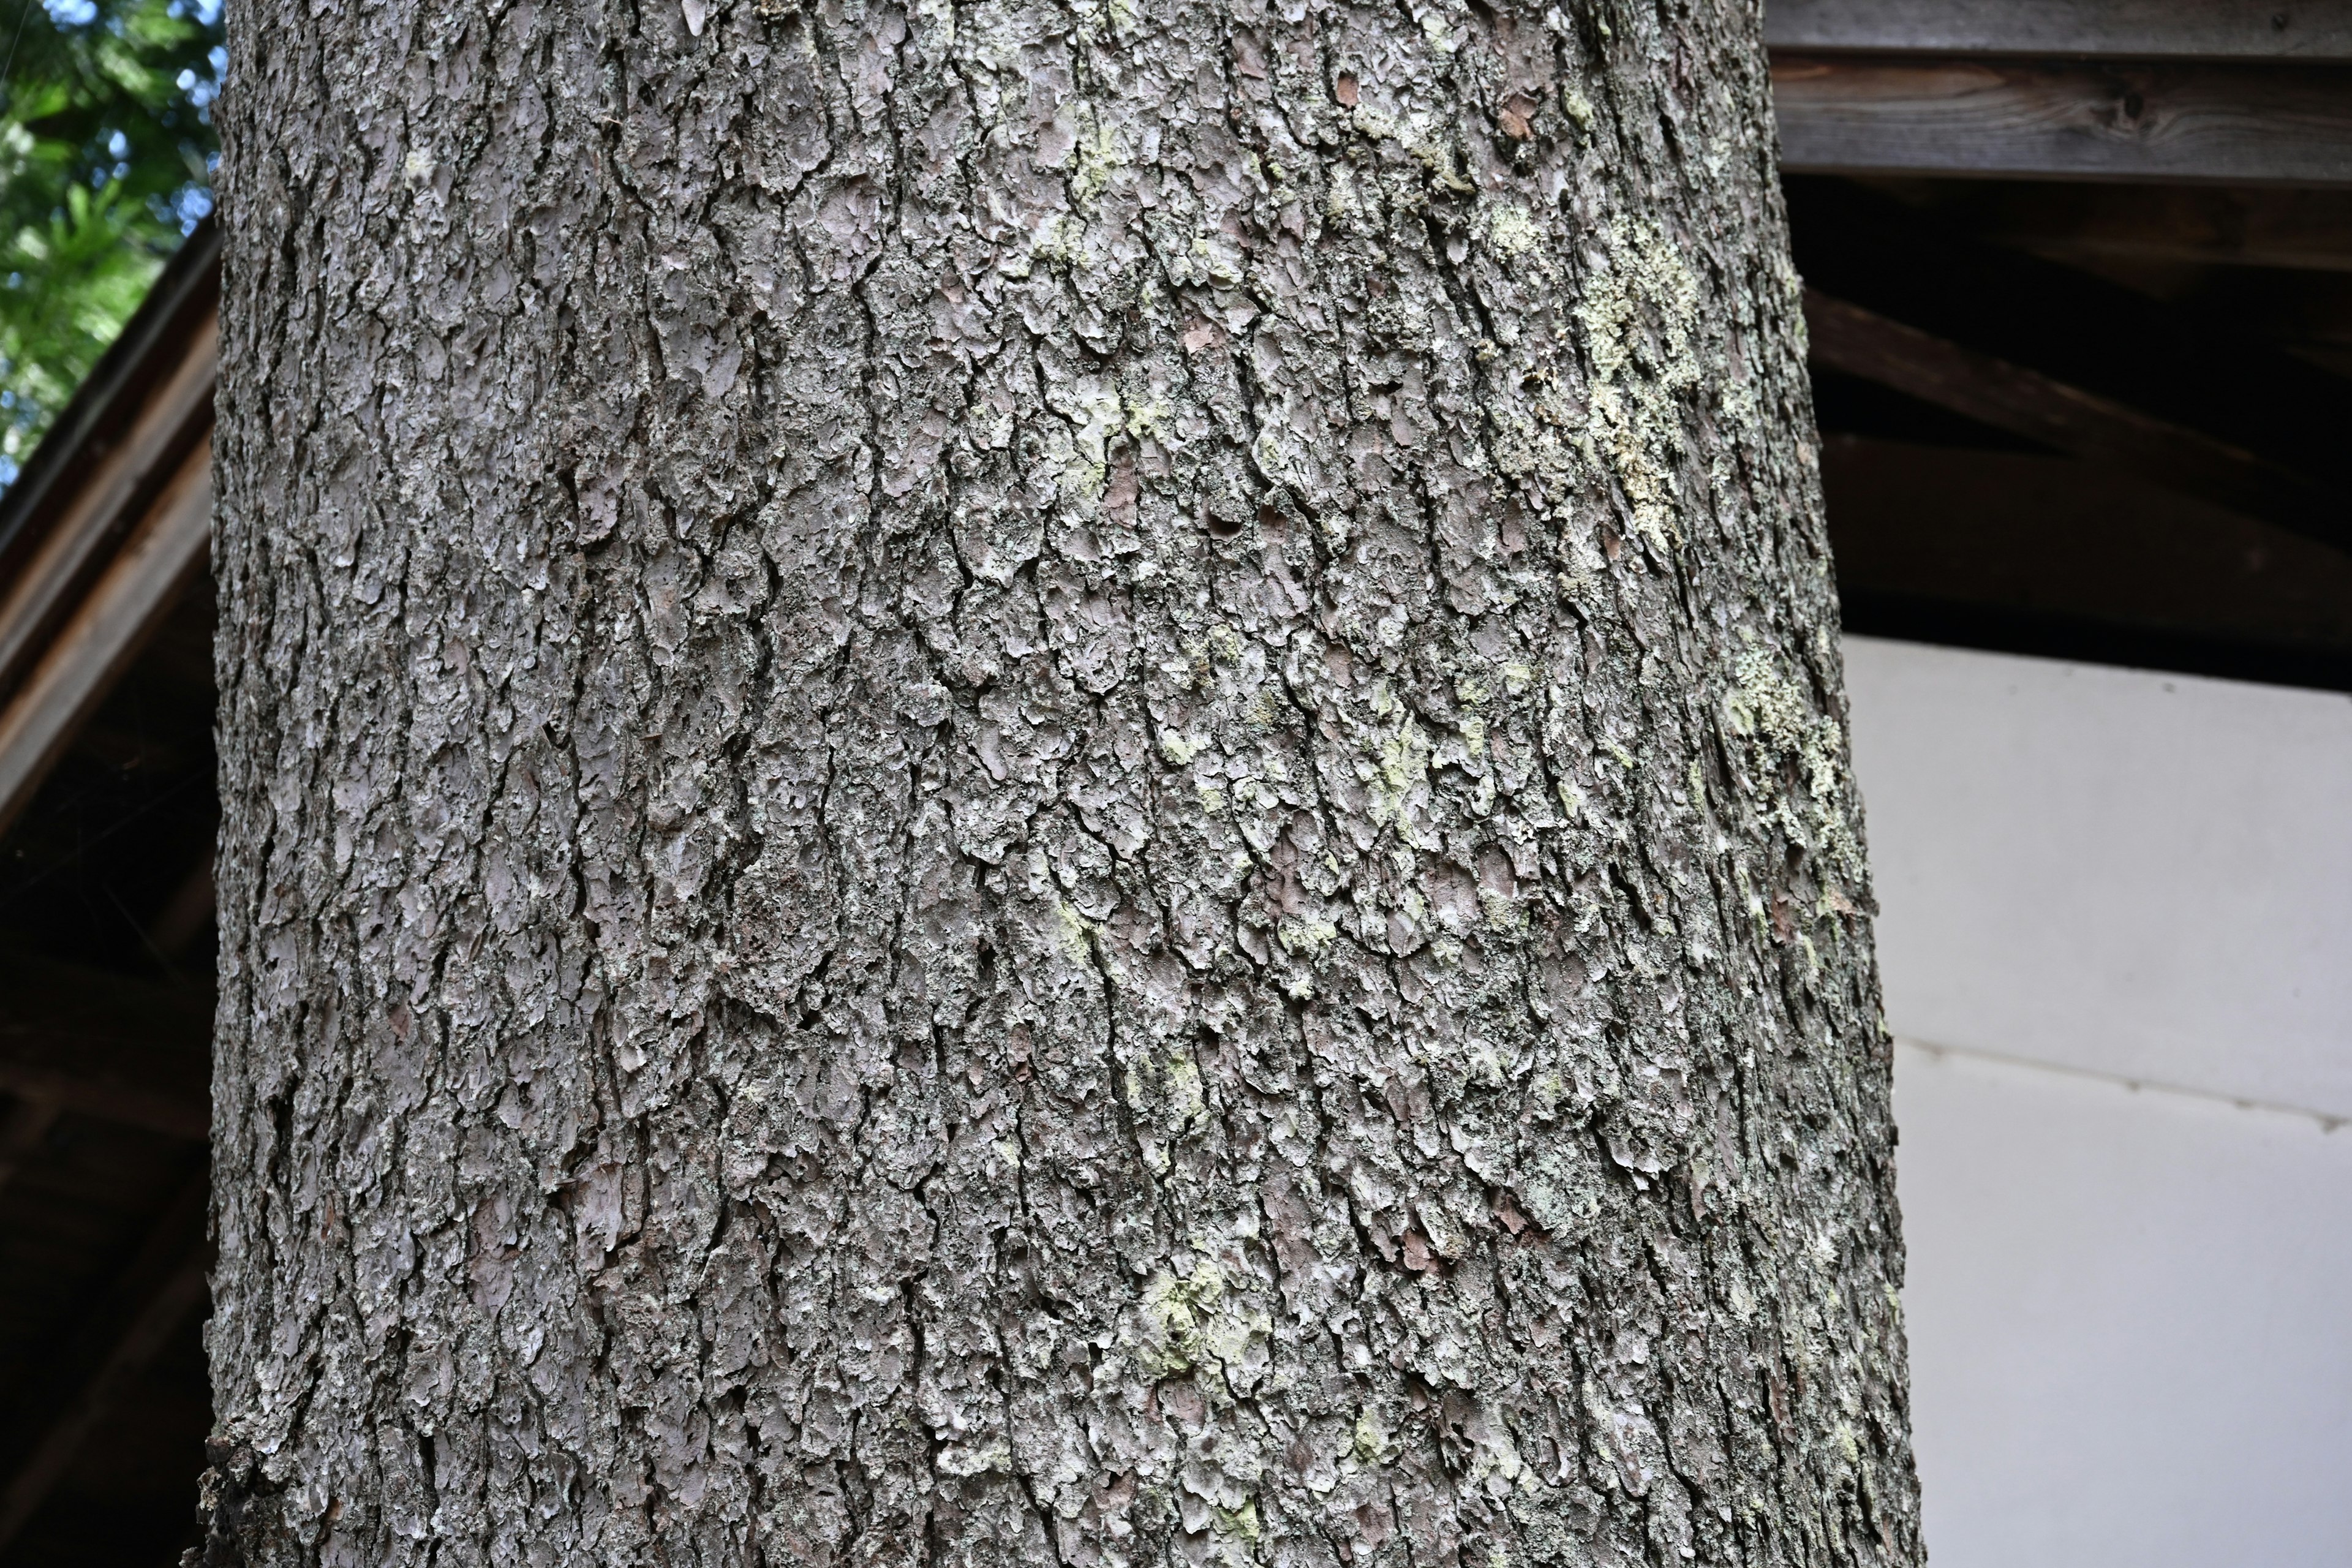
(105, 148)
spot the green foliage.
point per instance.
(106, 154)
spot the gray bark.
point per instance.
(1034, 783)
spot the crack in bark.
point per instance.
(949, 997)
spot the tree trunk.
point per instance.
(1047, 782)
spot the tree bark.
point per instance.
(1048, 782)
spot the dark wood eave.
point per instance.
(109, 522)
(103, 532)
(184, 296)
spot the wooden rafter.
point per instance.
(2305, 230)
(79, 665)
(108, 520)
(2037, 553)
(2066, 418)
(103, 505)
(2164, 365)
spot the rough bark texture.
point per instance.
(1034, 783)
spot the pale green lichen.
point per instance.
(1191, 1322)
(1505, 916)
(941, 16)
(1100, 154)
(964, 1459)
(1079, 452)
(1147, 416)
(1768, 707)
(1494, 1462)
(1510, 230)
(1076, 931)
(1848, 1444)
(1638, 372)
(1401, 766)
(1187, 1094)
(1308, 938)
(1370, 1439)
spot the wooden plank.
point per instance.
(104, 411)
(1885, 115)
(2146, 29)
(147, 1304)
(2026, 402)
(2007, 538)
(99, 509)
(108, 628)
(2174, 364)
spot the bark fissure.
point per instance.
(1017, 783)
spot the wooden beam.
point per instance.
(105, 410)
(2127, 568)
(2175, 364)
(106, 1047)
(106, 501)
(148, 1303)
(108, 627)
(1886, 114)
(2146, 29)
(2027, 403)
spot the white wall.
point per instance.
(2116, 931)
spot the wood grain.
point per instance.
(105, 632)
(2288, 125)
(104, 503)
(2147, 29)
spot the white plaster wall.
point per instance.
(2149, 875)
(2129, 1308)
(2128, 1322)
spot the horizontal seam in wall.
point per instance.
(2329, 1121)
